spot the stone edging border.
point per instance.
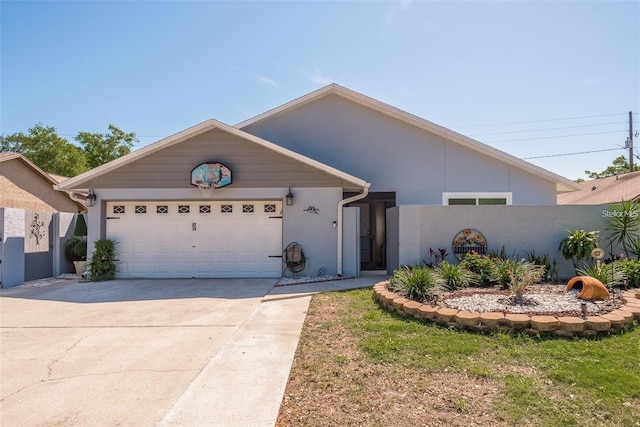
(611, 323)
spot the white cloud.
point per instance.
(257, 77)
(390, 17)
(318, 77)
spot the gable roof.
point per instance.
(5, 157)
(13, 195)
(562, 184)
(76, 183)
(611, 189)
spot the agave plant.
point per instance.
(577, 245)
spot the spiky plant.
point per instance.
(418, 283)
(453, 276)
(611, 275)
(623, 222)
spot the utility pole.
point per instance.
(629, 144)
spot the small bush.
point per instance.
(102, 265)
(611, 275)
(501, 273)
(417, 283)
(453, 276)
(631, 269)
(479, 265)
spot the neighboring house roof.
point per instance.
(612, 189)
(29, 187)
(562, 184)
(78, 182)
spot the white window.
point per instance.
(476, 199)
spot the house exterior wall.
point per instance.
(395, 156)
(311, 228)
(12, 227)
(412, 230)
(32, 192)
(252, 166)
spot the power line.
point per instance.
(543, 120)
(552, 137)
(543, 129)
(571, 154)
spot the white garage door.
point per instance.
(196, 238)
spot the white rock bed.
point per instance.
(550, 300)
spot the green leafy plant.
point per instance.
(75, 249)
(623, 222)
(521, 275)
(479, 265)
(577, 245)
(611, 275)
(102, 265)
(417, 283)
(501, 272)
(631, 269)
(501, 254)
(550, 266)
(453, 276)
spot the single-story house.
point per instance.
(23, 185)
(227, 201)
(610, 189)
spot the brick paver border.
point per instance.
(614, 322)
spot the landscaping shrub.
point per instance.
(632, 271)
(577, 245)
(479, 265)
(417, 283)
(453, 276)
(502, 269)
(611, 275)
(102, 265)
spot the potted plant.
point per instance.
(75, 249)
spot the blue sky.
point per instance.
(534, 78)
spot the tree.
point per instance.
(102, 148)
(620, 165)
(47, 150)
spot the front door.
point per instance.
(373, 242)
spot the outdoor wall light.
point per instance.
(91, 199)
(289, 198)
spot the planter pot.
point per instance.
(81, 267)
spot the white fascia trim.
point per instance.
(562, 184)
(476, 195)
(76, 182)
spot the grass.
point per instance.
(358, 364)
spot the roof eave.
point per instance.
(562, 184)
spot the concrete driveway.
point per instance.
(199, 352)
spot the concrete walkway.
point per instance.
(154, 352)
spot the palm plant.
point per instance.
(623, 221)
(577, 245)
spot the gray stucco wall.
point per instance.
(396, 156)
(412, 230)
(12, 227)
(351, 242)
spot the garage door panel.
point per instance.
(214, 239)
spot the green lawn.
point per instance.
(537, 381)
